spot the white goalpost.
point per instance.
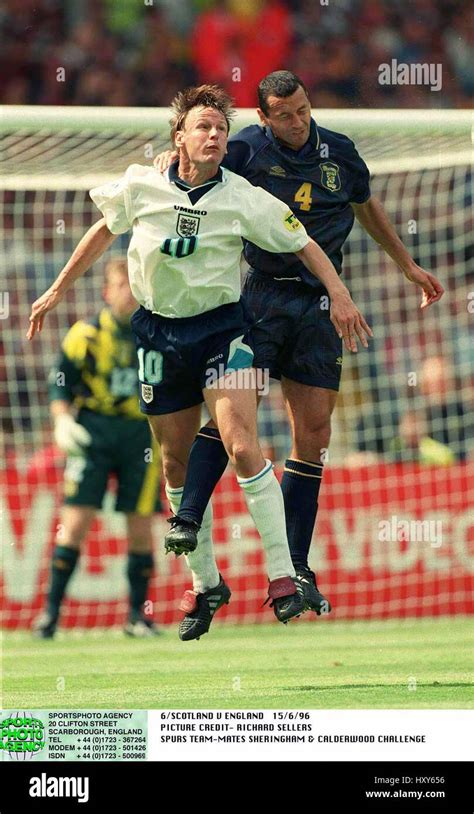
(396, 522)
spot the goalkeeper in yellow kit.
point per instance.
(98, 424)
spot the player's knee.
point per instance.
(241, 452)
(71, 535)
(140, 540)
(70, 538)
(140, 544)
(174, 470)
(313, 436)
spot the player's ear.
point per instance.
(178, 139)
(261, 116)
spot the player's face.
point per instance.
(118, 295)
(204, 136)
(289, 118)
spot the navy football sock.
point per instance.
(63, 564)
(207, 462)
(139, 571)
(300, 486)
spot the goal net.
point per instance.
(395, 529)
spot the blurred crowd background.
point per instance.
(140, 52)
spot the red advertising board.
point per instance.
(392, 540)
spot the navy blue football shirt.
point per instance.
(318, 182)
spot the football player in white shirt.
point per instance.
(192, 330)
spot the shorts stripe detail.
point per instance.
(240, 355)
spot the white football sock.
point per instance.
(201, 561)
(265, 503)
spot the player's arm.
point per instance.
(63, 382)
(70, 436)
(345, 315)
(92, 246)
(374, 219)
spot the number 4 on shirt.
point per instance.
(304, 196)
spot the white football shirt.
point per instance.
(184, 258)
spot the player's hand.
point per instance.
(348, 321)
(431, 287)
(70, 436)
(165, 159)
(40, 308)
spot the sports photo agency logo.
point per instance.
(22, 735)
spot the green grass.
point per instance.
(311, 665)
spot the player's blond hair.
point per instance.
(116, 264)
(202, 96)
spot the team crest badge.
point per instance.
(330, 177)
(147, 393)
(187, 225)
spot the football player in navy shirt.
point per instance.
(319, 174)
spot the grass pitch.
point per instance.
(410, 664)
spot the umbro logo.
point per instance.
(278, 171)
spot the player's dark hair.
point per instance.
(202, 96)
(280, 84)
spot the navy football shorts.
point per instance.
(177, 358)
(292, 333)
